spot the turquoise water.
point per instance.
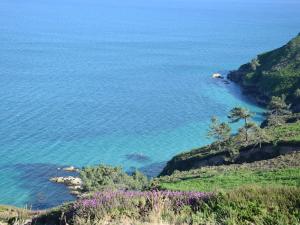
(104, 81)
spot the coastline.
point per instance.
(74, 189)
(251, 93)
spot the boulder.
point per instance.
(57, 179)
(69, 181)
(217, 75)
(75, 188)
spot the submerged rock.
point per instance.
(138, 157)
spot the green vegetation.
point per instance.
(278, 110)
(13, 215)
(245, 205)
(288, 133)
(256, 205)
(228, 151)
(282, 170)
(104, 177)
(220, 132)
(273, 73)
(215, 180)
(237, 114)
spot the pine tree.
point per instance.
(239, 113)
(259, 135)
(277, 110)
(278, 106)
(220, 131)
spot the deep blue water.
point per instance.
(104, 81)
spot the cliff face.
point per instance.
(272, 74)
(247, 155)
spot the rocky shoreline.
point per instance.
(73, 183)
(273, 73)
(251, 92)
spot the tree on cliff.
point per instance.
(220, 131)
(259, 135)
(278, 108)
(239, 113)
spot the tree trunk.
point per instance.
(246, 129)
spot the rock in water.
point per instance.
(217, 75)
(70, 169)
(69, 181)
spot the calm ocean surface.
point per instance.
(104, 81)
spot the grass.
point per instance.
(289, 132)
(213, 180)
(282, 170)
(14, 215)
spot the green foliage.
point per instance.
(278, 106)
(259, 135)
(106, 177)
(289, 133)
(213, 179)
(273, 73)
(257, 205)
(278, 110)
(219, 131)
(282, 170)
(239, 113)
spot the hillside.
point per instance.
(272, 74)
(262, 192)
(281, 170)
(282, 139)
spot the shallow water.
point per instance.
(98, 81)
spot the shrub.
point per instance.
(107, 177)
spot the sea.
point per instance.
(120, 82)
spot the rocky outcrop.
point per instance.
(272, 73)
(69, 181)
(247, 155)
(74, 184)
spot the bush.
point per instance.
(114, 178)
